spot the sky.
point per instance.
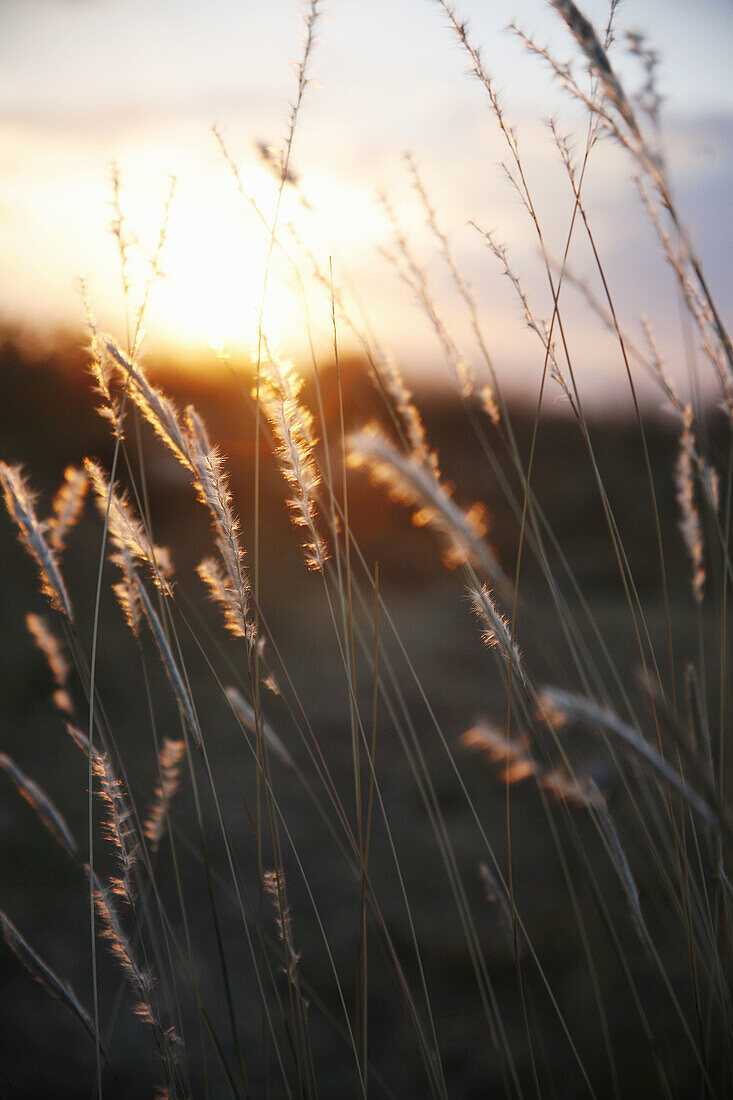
(85, 84)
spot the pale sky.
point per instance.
(84, 83)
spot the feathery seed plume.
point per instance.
(36, 797)
(513, 753)
(497, 632)
(586, 37)
(117, 824)
(292, 425)
(21, 504)
(121, 949)
(190, 444)
(579, 790)
(497, 747)
(414, 483)
(517, 771)
(157, 409)
(63, 701)
(50, 646)
(225, 595)
(689, 522)
(488, 404)
(564, 706)
(140, 979)
(274, 884)
(127, 532)
(230, 589)
(126, 591)
(103, 369)
(169, 763)
(409, 414)
(43, 974)
(67, 506)
(246, 715)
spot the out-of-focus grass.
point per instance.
(433, 617)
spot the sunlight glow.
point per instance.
(213, 286)
(216, 253)
(216, 245)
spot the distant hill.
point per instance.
(48, 419)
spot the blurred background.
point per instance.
(447, 682)
(86, 84)
(93, 91)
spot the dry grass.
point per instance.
(261, 897)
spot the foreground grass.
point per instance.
(325, 842)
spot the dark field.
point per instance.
(602, 1017)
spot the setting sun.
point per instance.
(366, 493)
(213, 285)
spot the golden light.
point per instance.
(213, 260)
(216, 249)
(216, 254)
(213, 287)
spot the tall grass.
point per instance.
(370, 903)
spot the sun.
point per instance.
(218, 250)
(217, 255)
(212, 289)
